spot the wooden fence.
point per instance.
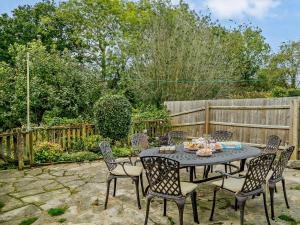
(17, 145)
(250, 120)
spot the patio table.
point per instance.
(187, 159)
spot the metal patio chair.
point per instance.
(176, 137)
(219, 136)
(277, 176)
(273, 143)
(139, 142)
(120, 170)
(164, 182)
(243, 188)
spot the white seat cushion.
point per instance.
(187, 187)
(131, 170)
(231, 184)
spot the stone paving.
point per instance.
(80, 188)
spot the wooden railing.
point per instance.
(17, 145)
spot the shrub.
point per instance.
(121, 151)
(113, 116)
(293, 92)
(28, 221)
(47, 152)
(91, 142)
(79, 156)
(279, 92)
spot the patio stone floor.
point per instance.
(81, 187)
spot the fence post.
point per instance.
(1, 146)
(207, 119)
(20, 151)
(30, 144)
(294, 128)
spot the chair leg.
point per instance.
(225, 168)
(275, 188)
(194, 205)
(194, 168)
(213, 205)
(211, 168)
(284, 193)
(241, 205)
(204, 171)
(235, 205)
(147, 209)
(271, 190)
(142, 185)
(115, 186)
(107, 193)
(266, 209)
(137, 192)
(165, 207)
(180, 205)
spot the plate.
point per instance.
(192, 151)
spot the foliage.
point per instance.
(56, 211)
(47, 152)
(113, 116)
(279, 92)
(121, 151)
(150, 113)
(54, 121)
(79, 156)
(28, 221)
(91, 142)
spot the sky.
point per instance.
(278, 19)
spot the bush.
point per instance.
(293, 92)
(113, 116)
(79, 156)
(279, 92)
(91, 142)
(47, 152)
(121, 151)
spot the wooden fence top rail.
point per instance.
(188, 111)
(235, 107)
(188, 124)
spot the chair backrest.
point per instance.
(163, 175)
(258, 170)
(176, 137)
(282, 162)
(107, 155)
(221, 135)
(139, 142)
(273, 144)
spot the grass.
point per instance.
(296, 188)
(56, 211)
(1, 205)
(288, 218)
(61, 220)
(171, 221)
(28, 221)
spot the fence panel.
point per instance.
(250, 120)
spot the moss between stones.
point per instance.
(56, 211)
(296, 188)
(288, 218)
(61, 220)
(1, 205)
(171, 221)
(28, 221)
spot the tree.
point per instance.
(285, 66)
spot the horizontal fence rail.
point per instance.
(251, 120)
